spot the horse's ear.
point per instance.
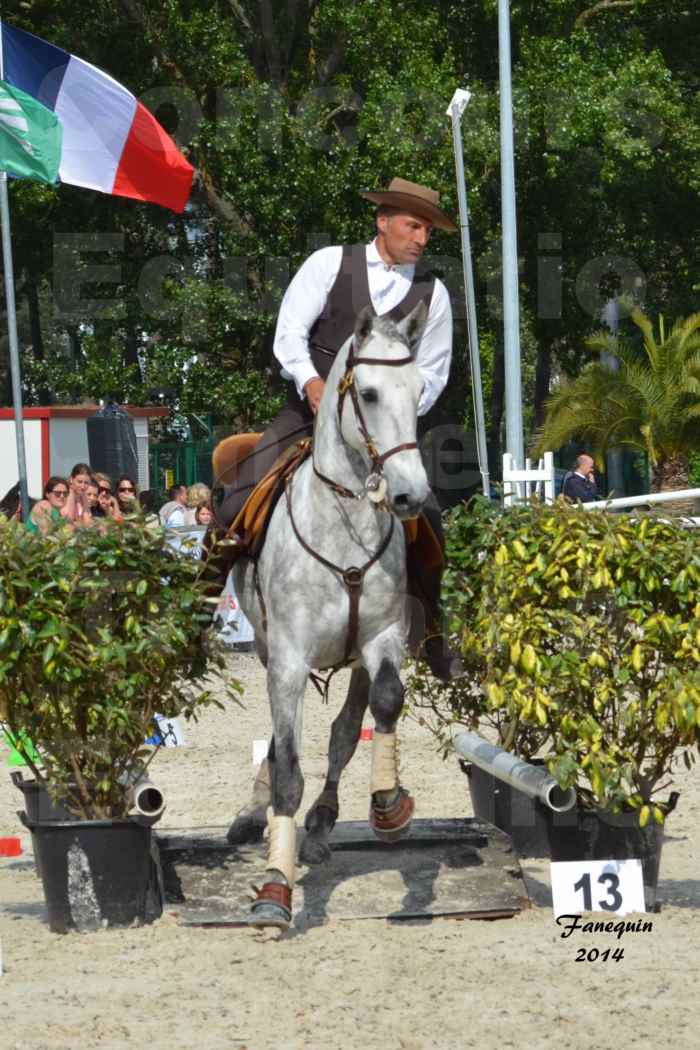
(363, 326)
(412, 327)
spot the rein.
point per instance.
(353, 577)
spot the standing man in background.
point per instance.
(579, 484)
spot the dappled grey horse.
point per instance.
(329, 590)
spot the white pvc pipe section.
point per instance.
(640, 501)
(532, 781)
(146, 799)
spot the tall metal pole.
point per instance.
(614, 458)
(457, 107)
(12, 330)
(511, 309)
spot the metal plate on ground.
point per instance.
(451, 868)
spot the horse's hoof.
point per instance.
(269, 915)
(393, 822)
(273, 906)
(247, 827)
(312, 851)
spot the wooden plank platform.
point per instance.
(444, 868)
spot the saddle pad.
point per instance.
(423, 541)
(228, 454)
(252, 520)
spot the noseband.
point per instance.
(375, 485)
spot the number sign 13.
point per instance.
(614, 886)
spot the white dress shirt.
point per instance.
(306, 297)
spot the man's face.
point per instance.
(182, 496)
(403, 237)
(586, 466)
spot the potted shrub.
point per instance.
(99, 631)
(581, 630)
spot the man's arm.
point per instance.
(434, 353)
(301, 307)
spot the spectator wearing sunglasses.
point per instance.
(51, 510)
(127, 502)
(106, 503)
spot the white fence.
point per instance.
(519, 485)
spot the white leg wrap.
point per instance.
(385, 766)
(282, 852)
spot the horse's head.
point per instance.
(378, 398)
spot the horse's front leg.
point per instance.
(391, 808)
(345, 732)
(286, 681)
(250, 821)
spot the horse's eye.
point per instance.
(369, 395)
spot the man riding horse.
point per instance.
(317, 316)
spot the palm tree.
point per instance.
(650, 403)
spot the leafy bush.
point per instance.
(581, 632)
(99, 630)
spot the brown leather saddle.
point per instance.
(252, 521)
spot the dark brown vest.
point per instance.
(348, 296)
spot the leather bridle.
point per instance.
(347, 385)
(353, 577)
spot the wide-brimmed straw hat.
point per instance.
(411, 197)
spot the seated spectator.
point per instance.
(77, 509)
(92, 496)
(196, 494)
(11, 503)
(127, 503)
(173, 512)
(51, 510)
(147, 501)
(107, 506)
(194, 545)
(203, 513)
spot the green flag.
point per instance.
(30, 136)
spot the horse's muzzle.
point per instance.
(404, 505)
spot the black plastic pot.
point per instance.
(38, 804)
(579, 834)
(96, 873)
(526, 820)
(601, 835)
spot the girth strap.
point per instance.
(352, 577)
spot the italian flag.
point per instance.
(30, 136)
(96, 129)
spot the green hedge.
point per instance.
(581, 634)
(99, 630)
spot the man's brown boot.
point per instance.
(444, 662)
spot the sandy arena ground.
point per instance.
(364, 984)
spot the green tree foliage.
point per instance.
(650, 402)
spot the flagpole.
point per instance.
(12, 329)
